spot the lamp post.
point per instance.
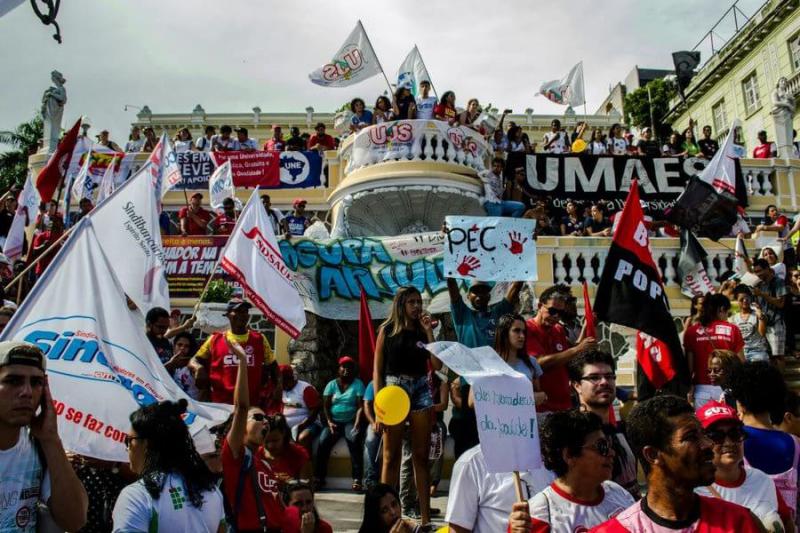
(49, 17)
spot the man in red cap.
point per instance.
(297, 222)
(194, 219)
(301, 406)
(276, 144)
(215, 365)
(735, 481)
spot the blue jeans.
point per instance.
(372, 457)
(355, 445)
(504, 208)
(419, 393)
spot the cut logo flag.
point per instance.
(631, 292)
(412, 71)
(164, 171)
(27, 205)
(100, 365)
(691, 271)
(220, 186)
(354, 62)
(253, 258)
(708, 205)
(366, 341)
(655, 360)
(568, 90)
(56, 168)
(127, 227)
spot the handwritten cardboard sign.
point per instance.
(490, 249)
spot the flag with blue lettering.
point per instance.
(100, 365)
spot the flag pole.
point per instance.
(583, 82)
(429, 74)
(376, 58)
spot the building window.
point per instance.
(750, 91)
(794, 51)
(720, 116)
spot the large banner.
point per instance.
(297, 170)
(593, 177)
(330, 273)
(188, 262)
(252, 169)
(400, 138)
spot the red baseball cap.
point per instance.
(298, 201)
(714, 411)
(346, 359)
(286, 371)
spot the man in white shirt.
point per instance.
(244, 142)
(555, 140)
(425, 102)
(223, 142)
(493, 187)
(275, 215)
(34, 466)
(479, 501)
(205, 143)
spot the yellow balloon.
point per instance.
(579, 146)
(443, 529)
(392, 405)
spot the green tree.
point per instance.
(23, 142)
(637, 106)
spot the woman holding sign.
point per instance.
(509, 343)
(402, 360)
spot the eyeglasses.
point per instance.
(596, 378)
(601, 447)
(718, 436)
(553, 311)
(129, 439)
(258, 417)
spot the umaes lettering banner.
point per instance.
(100, 365)
(330, 273)
(298, 170)
(589, 177)
(252, 169)
(188, 262)
(490, 249)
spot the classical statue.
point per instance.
(783, 104)
(53, 101)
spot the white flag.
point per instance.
(740, 257)
(83, 185)
(253, 258)
(220, 186)
(164, 170)
(27, 206)
(107, 183)
(568, 90)
(412, 72)
(720, 173)
(354, 62)
(127, 228)
(100, 364)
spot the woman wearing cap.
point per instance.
(341, 402)
(735, 481)
(401, 359)
(296, 223)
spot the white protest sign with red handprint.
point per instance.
(490, 249)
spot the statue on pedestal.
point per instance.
(53, 101)
(783, 105)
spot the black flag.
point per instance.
(631, 292)
(691, 271)
(685, 63)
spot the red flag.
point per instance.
(366, 340)
(56, 168)
(655, 359)
(591, 329)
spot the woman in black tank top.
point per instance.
(402, 360)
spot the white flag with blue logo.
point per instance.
(412, 72)
(220, 186)
(100, 365)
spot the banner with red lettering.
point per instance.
(188, 262)
(252, 169)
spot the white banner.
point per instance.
(253, 258)
(106, 187)
(354, 62)
(721, 171)
(163, 167)
(490, 248)
(100, 364)
(220, 186)
(83, 185)
(27, 207)
(568, 90)
(128, 230)
(412, 71)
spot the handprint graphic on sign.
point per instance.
(517, 242)
(467, 265)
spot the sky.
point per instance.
(233, 55)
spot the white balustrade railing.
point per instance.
(758, 180)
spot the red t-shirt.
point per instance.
(289, 465)
(443, 110)
(323, 140)
(269, 490)
(45, 239)
(716, 516)
(192, 227)
(223, 224)
(293, 520)
(702, 340)
(762, 151)
(555, 380)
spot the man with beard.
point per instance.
(32, 459)
(677, 457)
(593, 378)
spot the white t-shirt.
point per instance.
(617, 146)
(480, 501)
(183, 146)
(137, 511)
(204, 144)
(425, 107)
(559, 146)
(756, 492)
(562, 512)
(134, 146)
(249, 144)
(275, 216)
(492, 187)
(22, 485)
(228, 143)
(185, 380)
(597, 148)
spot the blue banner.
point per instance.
(299, 170)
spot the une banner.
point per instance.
(295, 169)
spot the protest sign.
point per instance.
(189, 261)
(490, 248)
(252, 169)
(298, 170)
(504, 406)
(196, 168)
(100, 365)
(330, 273)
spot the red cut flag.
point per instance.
(655, 359)
(591, 329)
(56, 168)
(366, 340)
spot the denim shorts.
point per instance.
(417, 389)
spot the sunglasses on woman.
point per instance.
(258, 417)
(717, 436)
(601, 447)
